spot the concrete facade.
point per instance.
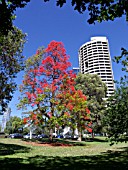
(94, 58)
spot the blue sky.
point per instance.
(44, 22)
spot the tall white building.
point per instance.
(94, 58)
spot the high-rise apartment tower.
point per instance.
(94, 58)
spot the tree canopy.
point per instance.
(7, 9)
(15, 124)
(99, 10)
(116, 118)
(123, 59)
(95, 90)
(11, 62)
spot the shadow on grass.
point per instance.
(65, 142)
(57, 142)
(9, 149)
(69, 142)
(100, 139)
(114, 160)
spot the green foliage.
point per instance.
(116, 118)
(30, 64)
(92, 86)
(11, 62)
(95, 90)
(13, 125)
(7, 9)
(123, 59)
(34, 61)
(99, 10)
(26, 130)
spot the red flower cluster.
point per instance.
(87, 111)
(25, 120)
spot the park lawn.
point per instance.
(17, 154)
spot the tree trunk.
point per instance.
(92, 134)
(51, 135)
(30, 131)
(80, 134)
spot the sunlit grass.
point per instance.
(89, 148)
(95, 154)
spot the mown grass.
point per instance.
(96, 155)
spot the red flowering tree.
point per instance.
(41, 83)
(49, 85)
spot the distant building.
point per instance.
(94, 58)
(76, 70)
(5, 119)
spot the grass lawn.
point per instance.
(16, 154)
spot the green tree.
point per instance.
(11, 62)
(14, 125)
(116, 118)
(95, 91)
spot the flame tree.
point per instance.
(48, 86)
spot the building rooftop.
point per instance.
(98, 39)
